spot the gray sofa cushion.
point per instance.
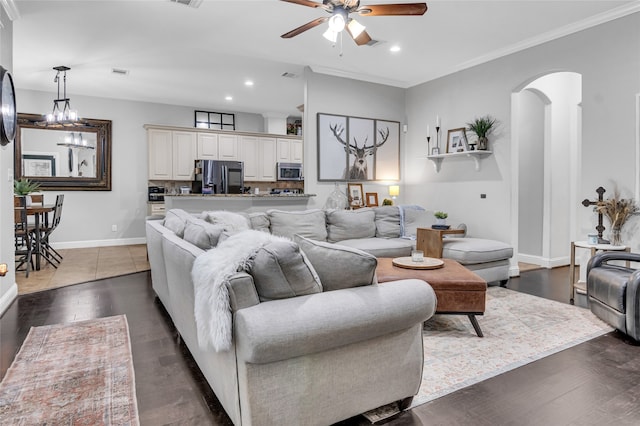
(202, 234)
(175, 220)
(382, 247)
(308, 223)
(387, 219)
(280, 270)
(475, 250)
(230, 221)
(349, 224)
(339, 266)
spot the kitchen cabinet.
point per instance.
(228, 147)
(289, 150)
(259, 157)
(207, 148)
(171, 154)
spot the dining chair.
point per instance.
(23, 236)
(49, 253)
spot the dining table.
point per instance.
(40, 212)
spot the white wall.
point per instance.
(8, 287)
(88, 215)
(608, 134)
(334, 95)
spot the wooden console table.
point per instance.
(429, 240)
(579, 286)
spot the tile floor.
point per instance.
(85, 264)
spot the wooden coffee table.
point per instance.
(458, 290)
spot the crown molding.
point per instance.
(11, 8)
(575, 27)
(359, 76)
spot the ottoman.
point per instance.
(458, 290)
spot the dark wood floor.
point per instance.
(595, 383)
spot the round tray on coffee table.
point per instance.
(427, 263)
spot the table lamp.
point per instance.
(394, 191)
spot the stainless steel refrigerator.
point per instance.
(219, 177)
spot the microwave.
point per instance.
(289, 171)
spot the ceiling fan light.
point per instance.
(330, 35)
(355, 28)
(337, 22)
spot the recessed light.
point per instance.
(394, 48)
(248, 83)
(228, 98)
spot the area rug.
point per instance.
(518, 329)
(72, 374)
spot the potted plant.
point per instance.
(441, 218)
(481, 127)
(24, 187)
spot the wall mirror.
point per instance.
(70, 157)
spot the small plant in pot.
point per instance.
(481, 127)
(24, 187)
(441, 218)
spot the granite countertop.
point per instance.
(265, 195)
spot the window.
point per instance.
(215, 120)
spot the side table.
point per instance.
(429, 240)
(580, 286)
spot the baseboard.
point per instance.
(543, 261)
(99, 243)
(8, 297)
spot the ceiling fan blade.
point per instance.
(393, 9)
(305, 3)
(304, 27)
(363, 37)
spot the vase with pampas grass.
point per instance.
(617, 210)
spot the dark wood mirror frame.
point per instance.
(102, 181)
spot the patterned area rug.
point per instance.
(72, 374)
(518, 329)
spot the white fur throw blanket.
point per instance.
(210, 273)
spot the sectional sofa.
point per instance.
(313, 354)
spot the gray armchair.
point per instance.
(613, 291)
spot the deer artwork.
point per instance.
(358, 170)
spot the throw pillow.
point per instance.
(350, 224)
(387, 222)
(339, 266)
(308, 223)
(259, 221)
(230, 221)
(414, 219)
(175, 220)
(202, 234)
(280, 270)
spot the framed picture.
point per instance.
(435, 150)
(372, 199)
(38, 165)
(356, 195)
(357, 149)
(457, 140)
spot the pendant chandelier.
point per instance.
(62, 114)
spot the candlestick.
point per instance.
(438, 136)
(428, 141)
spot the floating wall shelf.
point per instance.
(476, 155)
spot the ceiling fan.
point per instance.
(339, 19)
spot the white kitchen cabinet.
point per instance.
(207, 148)
(259, 157)
(171, 154)
(228, 147)
(289, 150)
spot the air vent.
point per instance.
(190, 3)
(289, 75)
(119, 71)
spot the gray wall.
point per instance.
(334, 95)
(607, 57)
(89, 215)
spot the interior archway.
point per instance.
(546, 117)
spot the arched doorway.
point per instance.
(546, 117)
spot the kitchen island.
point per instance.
(197, 203)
